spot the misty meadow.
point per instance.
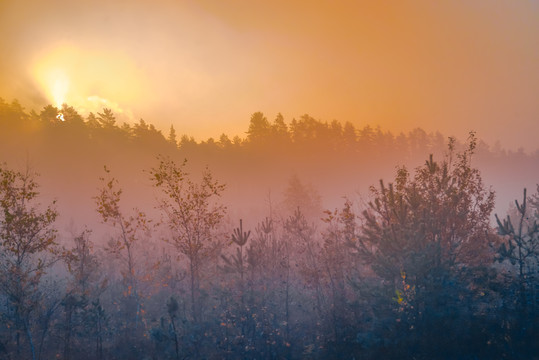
(119, 242)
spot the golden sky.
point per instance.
(205, 66)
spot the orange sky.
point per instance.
(205, 66)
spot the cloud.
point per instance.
(96, 103)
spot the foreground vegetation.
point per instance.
(419, 272)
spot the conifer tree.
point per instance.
(428, 238)
(520, 247)
(172, 136)
(106, 118)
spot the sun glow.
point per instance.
(86, 79)
(58, 85)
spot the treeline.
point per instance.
(298, 134)
(103, 126)
(337, 159)
(417, 272)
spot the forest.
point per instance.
(304, 239)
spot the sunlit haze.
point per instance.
(279, 179)
(205, 66)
